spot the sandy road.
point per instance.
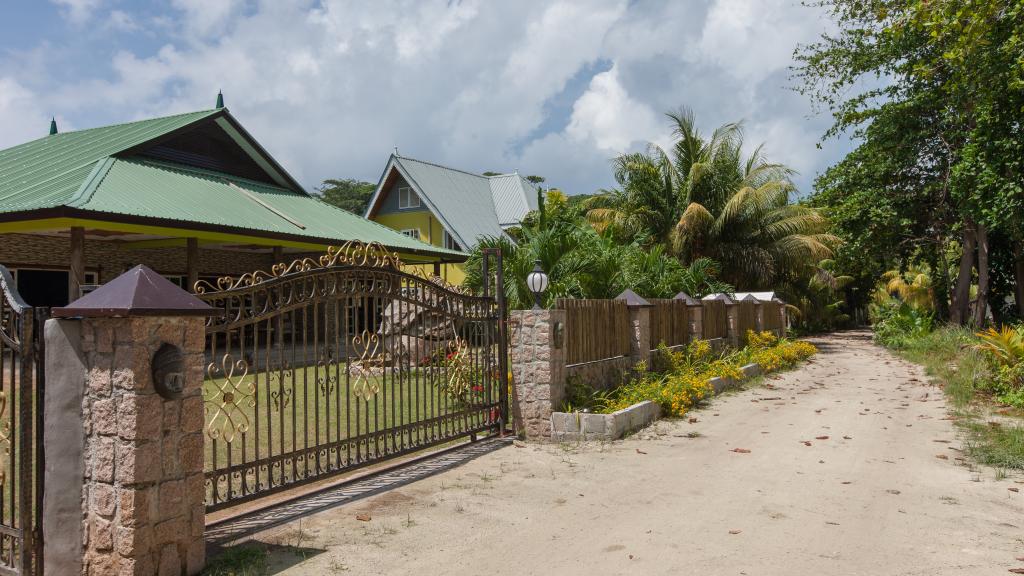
(874, 498)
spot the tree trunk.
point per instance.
(959, 313)
(1018, 276)
(981, 307)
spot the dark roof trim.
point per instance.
(212, 119)
(66, 212)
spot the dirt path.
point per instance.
(883, 494)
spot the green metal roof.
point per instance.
(470, 206)
(47, 172)
(90, 171)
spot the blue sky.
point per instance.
(330, 87)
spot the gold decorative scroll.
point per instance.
(351, 253)
(226, 404)
(364, 384)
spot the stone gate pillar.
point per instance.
(537, 355)
(640, 326)
(124, 490)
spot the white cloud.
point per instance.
(331, 86)
(77, 11)
(20, 114)
(608, 117)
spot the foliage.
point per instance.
(1004, 350)
(581, 263)
(932, 91)
(684, 376)
(347, 194)
(704, 199)
(896, 324)
(822, 301)
(461, 380)
(914, 286)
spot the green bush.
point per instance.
(898, 324)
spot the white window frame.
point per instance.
(413, 233)
(450, 242)
(407, 198)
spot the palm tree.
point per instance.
(706, 200)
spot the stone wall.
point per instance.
(110, 259)
(143, 476)
(601, 374)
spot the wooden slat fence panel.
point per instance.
(595, 329)
(714, 320)
(746, 319)
(772, 312)
(670, 322)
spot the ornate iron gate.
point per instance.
(21, 431)
(321, 366)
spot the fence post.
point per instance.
(640, 326)
(694, 315)
(537, 353)
(125, 490)
(782, 317)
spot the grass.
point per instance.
(319, 406)
(246, 560)
(947, 355)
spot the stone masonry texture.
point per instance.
(538, 368)
(143, 495)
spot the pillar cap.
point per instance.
(749, 298)
(719, 296)
(633, 300)
(686, 298)
(138, 292)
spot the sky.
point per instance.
(331, 87)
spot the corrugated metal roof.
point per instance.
(79, 170)
(47, 172)
(469, 206)
(514, 196)
(161, 190)
(461, 200)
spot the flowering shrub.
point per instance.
(684, 382)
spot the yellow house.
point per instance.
(448, 208)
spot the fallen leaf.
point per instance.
(942, 457)
(832, 523)
(1013, 489)
(821, 437)
(735, 531)
(363, 517)
(893, 491)
(847, 482)
(639, 451)
(741, 450)
(806, 442)
(693, 420)
(630, 556)
(1017, 570)
(847, 438)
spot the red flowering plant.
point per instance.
(462, 381)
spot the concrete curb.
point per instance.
(577, 426)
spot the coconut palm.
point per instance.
(706, 199)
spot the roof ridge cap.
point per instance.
(118, 124)
(436, 165)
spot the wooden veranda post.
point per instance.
(76, 271)
(192, 263)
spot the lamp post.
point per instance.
(537, 282)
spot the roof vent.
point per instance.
(220, 99)
(53, 126)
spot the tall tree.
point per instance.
(348, 194)
(951, 71)
(706, 199)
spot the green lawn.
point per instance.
(318, 406)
